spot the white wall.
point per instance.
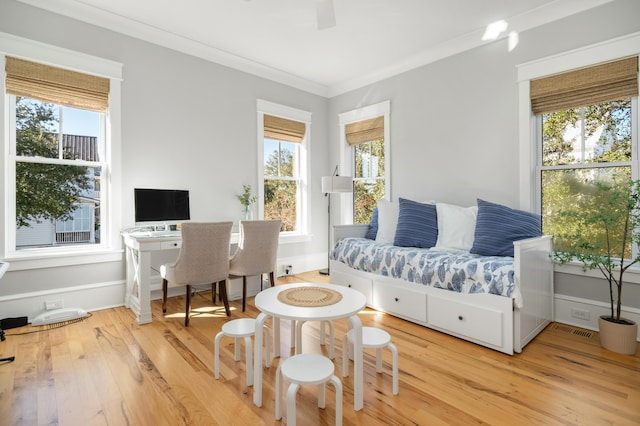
(454, 125)
(186, 123)
(454, 128)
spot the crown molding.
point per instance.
(552, 11)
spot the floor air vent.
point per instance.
(576, 332)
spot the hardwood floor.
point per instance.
(108, 370)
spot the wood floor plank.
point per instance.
(109, 370)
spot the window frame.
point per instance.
(530, 137)
(110, 246)
(303, 210)
(347, 152)
(529, 131)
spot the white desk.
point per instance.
(351, 303)
(139, 246)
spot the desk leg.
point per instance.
(257, 359)
(138, 291)
(358, 375)
(132, 266)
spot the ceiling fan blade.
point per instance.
(325, 14)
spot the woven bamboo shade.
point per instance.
(282, 129)
(600, 83)
(365, 131)
(56, 85)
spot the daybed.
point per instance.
(483, 277)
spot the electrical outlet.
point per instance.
(580, 313)
(53, 304)
(286, 270)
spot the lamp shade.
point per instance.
(334, 184)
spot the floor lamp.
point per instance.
(334, 185)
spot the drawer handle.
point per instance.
(396, 299)
(460, 317)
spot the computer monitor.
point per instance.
(166, 206)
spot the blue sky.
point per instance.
(80, 122)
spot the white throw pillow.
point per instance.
(456, 226)
(387, 221)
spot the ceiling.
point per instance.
(279, 39)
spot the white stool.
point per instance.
(241, 328)
(306, 369)
(296, 336)
(372, 338)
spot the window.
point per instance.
(366, 140)
(60, 147)
(57, 173)
(284, 135)
(583, 124)
(582, 150)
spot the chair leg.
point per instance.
(345, 356)
(291, 404)
(272, 279)
(216, 354)
(244, 292)
(222, 289)
(188, 308)
(213, 293)
(338, 386)
(394, 366)
(278, 394)
(248, 358)
(164, 295)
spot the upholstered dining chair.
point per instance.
(203, 260)
(256, 253)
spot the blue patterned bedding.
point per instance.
(453, 270)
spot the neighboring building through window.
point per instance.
(56, 203)
(366, 140)
(59, 151)
(283, 170)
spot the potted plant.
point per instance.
(602, 239)
(246, 199)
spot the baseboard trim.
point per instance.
(563, 306)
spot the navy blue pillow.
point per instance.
(373, 225)
(417, 225)
(498, 226)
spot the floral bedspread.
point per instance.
(453, 270)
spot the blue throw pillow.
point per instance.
(498, 226)
(417, 225)
(373, 225)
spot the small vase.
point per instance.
(247, 214)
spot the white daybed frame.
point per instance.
(486, 319)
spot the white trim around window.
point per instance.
(111, 249)
(590, 55)
(346, 151)
(265, 107)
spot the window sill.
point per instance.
(289, 238)
(631, 276)
(30, 260)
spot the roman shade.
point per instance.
(586, 86)
(283, 129)
(56, 85)
(365, 131)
